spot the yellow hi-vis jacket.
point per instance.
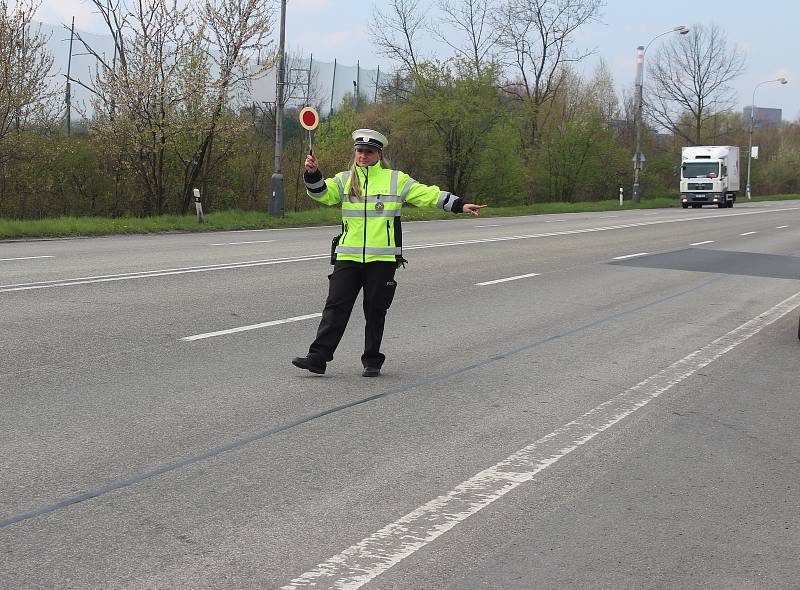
(371, 225)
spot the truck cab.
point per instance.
(709, 176)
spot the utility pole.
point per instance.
(276, 203)
(333, 88)
(68, 98)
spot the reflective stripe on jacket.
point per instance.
(371, 226)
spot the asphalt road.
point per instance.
(602, 400)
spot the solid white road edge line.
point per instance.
(251, 327)
(364, 561)
(153, 273)
(533, 274)
(24, 258)
(747, 233)
(239, 243)
(701, 243)
(630, 256)
(231, 265)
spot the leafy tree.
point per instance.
(456, 110)
(577, 152)
(25, 66)
(165, 96)
(536, 37)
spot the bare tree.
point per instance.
(396, 25)
(690, 81)
(473, 19)
(537, 38)
(25, 68)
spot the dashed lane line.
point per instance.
(630, 256)
(250, 327)
(516, 278)
(24, 258)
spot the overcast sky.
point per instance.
(765, 30)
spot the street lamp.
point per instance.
(276, 203)
(637, 117)
(752, 120)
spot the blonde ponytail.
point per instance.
(355, 182)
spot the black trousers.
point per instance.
(346, 280)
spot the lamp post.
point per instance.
(276, 203)
(637, 117)
(752, 122)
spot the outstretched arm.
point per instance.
(422, 195)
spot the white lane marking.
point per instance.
(555, 220)
(24, 258)
(251, 327)
(701, 243)
(154, 273)
(591, 229)
(489, 225)
(630, 256)
(782, 227)
(533, 274)
(367, 559)
(748, 233)
(246, 264)
(238, 243)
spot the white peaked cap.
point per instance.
(369, 138)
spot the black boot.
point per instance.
(310, 364)
(371, 372)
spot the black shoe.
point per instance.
(310, 364)
(371, 372)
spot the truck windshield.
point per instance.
(701, 170)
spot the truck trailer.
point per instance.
(709, 175)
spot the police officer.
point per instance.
(370, 247)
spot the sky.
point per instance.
(766, 31)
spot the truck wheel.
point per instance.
(721, 205)
(685, 205)
(730, 204)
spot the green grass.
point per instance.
(232, 220)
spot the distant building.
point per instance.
(621, 125)
(763, 117)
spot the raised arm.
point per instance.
(327, 192)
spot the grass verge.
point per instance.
(239, 220)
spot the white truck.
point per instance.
(709, 175)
